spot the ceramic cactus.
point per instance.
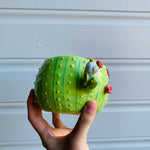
(64, 84)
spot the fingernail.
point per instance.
(91, 106)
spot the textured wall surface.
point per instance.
(116, 32)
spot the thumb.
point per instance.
(85, 120)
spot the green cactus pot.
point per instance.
(64, 84)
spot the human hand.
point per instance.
(61, 137)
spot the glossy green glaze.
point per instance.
(63, 86)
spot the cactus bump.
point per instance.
(64, 84)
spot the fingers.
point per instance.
(35, 114)
(57, 121)
(85, 120)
